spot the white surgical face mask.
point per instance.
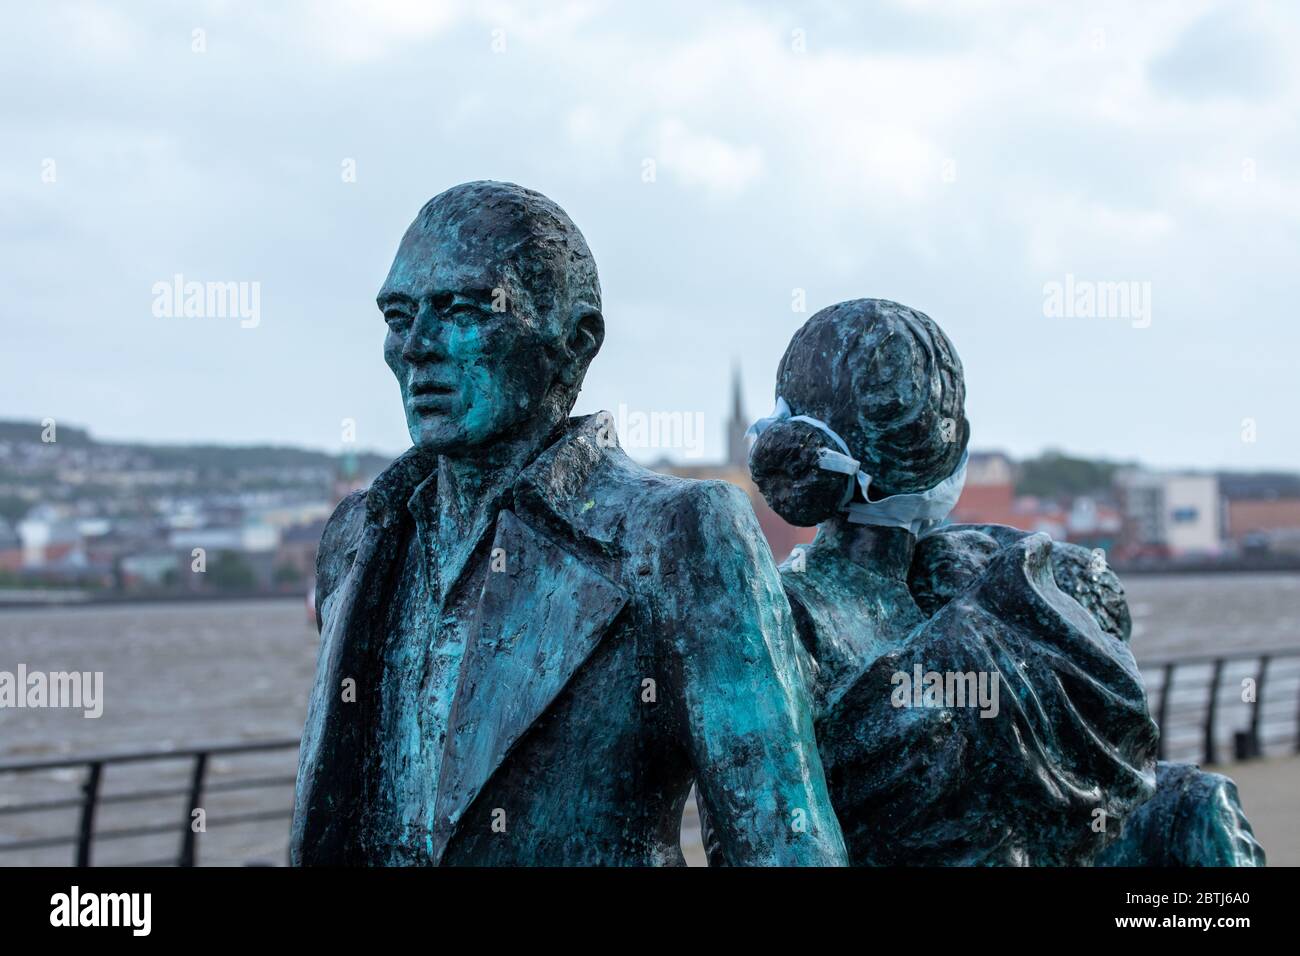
(918, 512)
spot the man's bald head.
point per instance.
(545, 249)
(493, 308)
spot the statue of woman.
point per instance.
(968, 711)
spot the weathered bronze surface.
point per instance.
(1194, 819)
(1065, 761)
(531, 647)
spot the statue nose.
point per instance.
(419, 346)
(424, 342)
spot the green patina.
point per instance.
(504, 716)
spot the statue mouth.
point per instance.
(430, 395)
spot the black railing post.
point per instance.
(90, 799)
(1297, 724)
(1162, 713)
(1256, 747)
(189, 838)
(1211, 711)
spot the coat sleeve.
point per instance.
(740, 694)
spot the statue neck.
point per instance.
(470, 481)
(470, 487)
(885, 551)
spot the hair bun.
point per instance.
(889, 382)
(783, 463)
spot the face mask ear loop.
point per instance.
(828, 459)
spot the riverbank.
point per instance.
(1264, 564)
(36, 598)
(179, 673)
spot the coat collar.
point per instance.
(555, 483)
(537, 622)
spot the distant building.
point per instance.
(1169, 514)
(989, 495)
(149, 570)
(1192, 514)
(1246, 517)
(48, 540)
(1261, 510)
(249, 537)
(297, 548)
(1093, 524)
(11, 548)
(285, 516)
(1142, 507)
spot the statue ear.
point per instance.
(586, 335)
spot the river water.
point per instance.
(178, 675)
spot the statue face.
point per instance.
(471, 354)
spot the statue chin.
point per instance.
(437, 435)
(452, 436)
(462, 430)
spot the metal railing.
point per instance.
(93, 797)
(1214, 707)
(1189, 697)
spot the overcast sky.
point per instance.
(957, 158)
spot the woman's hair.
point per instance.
(885, 379)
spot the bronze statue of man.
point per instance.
(531, 646)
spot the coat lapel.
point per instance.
(332, 752)
(332, 748)
(538, 620)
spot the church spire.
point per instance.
(737, 444)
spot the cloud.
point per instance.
(361, 31)
(1222, 54)
(699, 159)
(950, 156)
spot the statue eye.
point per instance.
(397, 318)
(461, 310)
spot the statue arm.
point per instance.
(744, 710)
